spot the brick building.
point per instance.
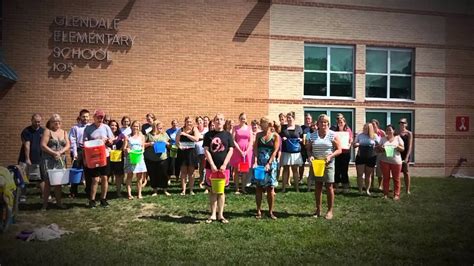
(364, 58)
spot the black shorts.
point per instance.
(98, 171)
(115, 168)
(369, 161)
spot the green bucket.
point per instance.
(174, 151)
(389, 151)
(135, 156)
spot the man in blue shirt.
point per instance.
(30, 153)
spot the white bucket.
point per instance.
(58, 176)
(93, 143)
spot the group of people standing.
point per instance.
(217, 145)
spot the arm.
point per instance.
(148, 142)
(356, 144)
(276, 148)
(410, 147)
(401, 144)
(337, 149)
(309, 150)
(73, 141)
(227, 159)
(236, 145)
(194, 137)
(68, 144)
(255, 152)
(27, 144)
(210, 160)
(178, 139)
(125, 144)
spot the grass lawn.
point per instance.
(434, 225)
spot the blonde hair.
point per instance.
(139, 125)
(324, 117)
(370, 130)
(55, 117)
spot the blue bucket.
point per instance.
(159, 147)
(75, 175)
(259, 172)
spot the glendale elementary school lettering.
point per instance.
(69, 36)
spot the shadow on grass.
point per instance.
(252, 212)
(173, 219)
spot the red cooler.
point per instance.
(94, 153)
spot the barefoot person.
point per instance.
(266, 148)
(218, 146)
(324, 145)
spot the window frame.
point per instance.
(389, 122)
(328, 72)
(388, 74)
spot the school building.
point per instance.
(363, 58)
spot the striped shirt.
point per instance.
(322, 147)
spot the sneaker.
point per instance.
(92, 204)
(104, 203)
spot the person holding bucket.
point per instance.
(54, 144)
(266, 148)
(187, 157)
(156, 158)
(218, 147)
(366, 157)
(342, 161)
(116, 156)
(291, 151)
(77, 145)
(323, 146)
(242, 155)
(134, 162)
(200, 150)
(97, 133)
(391, 161)
(407, 137)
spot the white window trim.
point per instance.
(328, 72)
(389, 115)
(388, 74)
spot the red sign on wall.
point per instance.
(462, 123)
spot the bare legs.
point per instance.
(57, 194)
(364, 170)
(270, 199)
(187, 172)
(217, 202)
(330, 198)
(286, 175)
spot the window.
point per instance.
(387, 117)
(388, 74)
(328, 71)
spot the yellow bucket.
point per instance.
(115, 156)
(218, 185)
(318, 167)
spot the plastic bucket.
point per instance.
(318, 167)
(174, 151)
(259, 172)
(58, 176)
(94, 153)
(159, 147)
(389, 150)
(115, 156)
(218, 185)
(75, 175)
(243, 167)
(135, 156)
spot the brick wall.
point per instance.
(184, 62)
